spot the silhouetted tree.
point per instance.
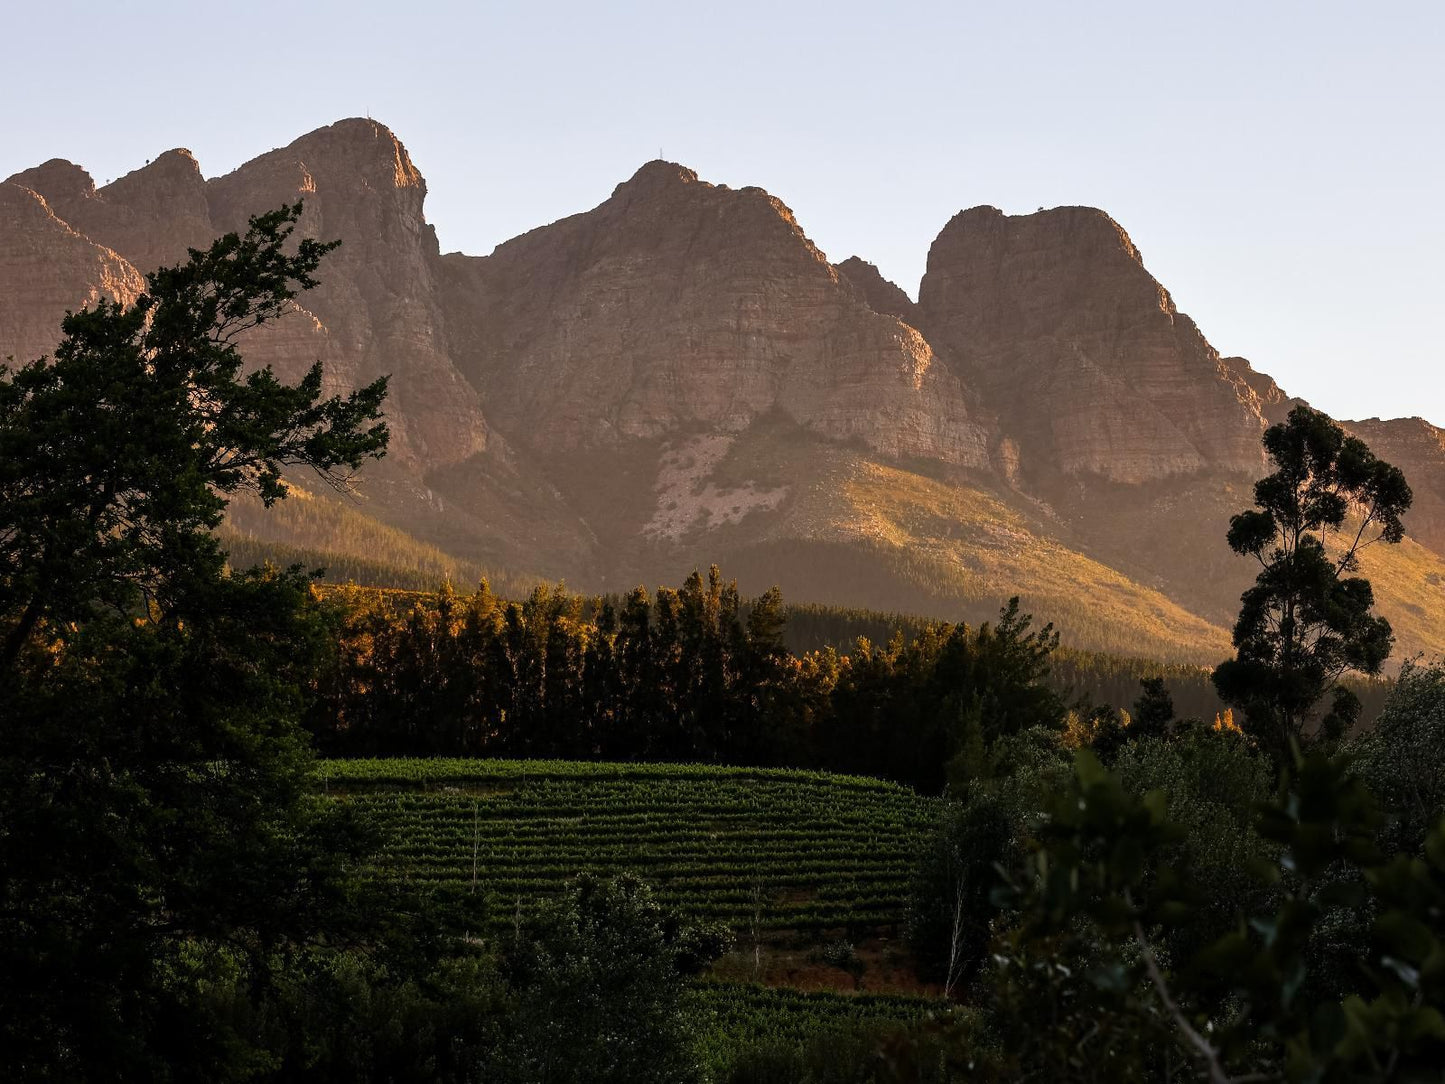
(1153, 711)
(158, 835)
(1307, 621)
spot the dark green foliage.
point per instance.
(340, 1016)
(952, 906)
(1153, 711)
(682, 676)
(1402, 759)
(596, 988)
(152, 826)
(160, 839)
(1108, 887)
(1062, 1008)
(907, 710)
(930, 1053)
(1078, 677)
(811, 627)
(1212, 782)
(690, 674)
(116, 456)
(1085, 679)
(1107, 731)
(1307, 621)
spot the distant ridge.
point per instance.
(679, 376)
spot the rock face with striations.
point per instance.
(47, 269)
(1418, 449)
(151, 215)
(1092, 369)
(880, 294)
(679, 304)
(377, 305)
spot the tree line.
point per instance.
(686, 674)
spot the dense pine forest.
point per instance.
(698, 673)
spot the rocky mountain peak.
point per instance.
(660, 191)
(680, 304)
(352, 169)
(1078, 255)
(655, 177)
(62, 183)
(1081, 351)
(377, 301)
(367, 146)
(174, 169)
(882, 295)
(151, 215)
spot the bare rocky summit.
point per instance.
(152, 214)
(1081, 351)
(880, 294)
(47, 269)
(679, 304)
(680, 376)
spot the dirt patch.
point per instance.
(888, 968)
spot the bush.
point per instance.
(1212, 782)
(1402, 759)
(597, 982)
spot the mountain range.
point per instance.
(679, 377)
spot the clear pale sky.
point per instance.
(1279, 164)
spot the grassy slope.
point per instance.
(321, 530)
(1409, 586)
(896, 536)
(857, 531)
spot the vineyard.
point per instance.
(744, 1016)
(758, 849)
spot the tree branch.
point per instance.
(1201, 1045)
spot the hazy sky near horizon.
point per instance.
(1279, 164)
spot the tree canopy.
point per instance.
(1307, 620)
(117, 454)
(159, 840)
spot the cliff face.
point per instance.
(880, 294)
(678, 304)
(1082, 353)
(679, 376)
(377, 306)
(152, 214)
(47, 269)
(1418, 449)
